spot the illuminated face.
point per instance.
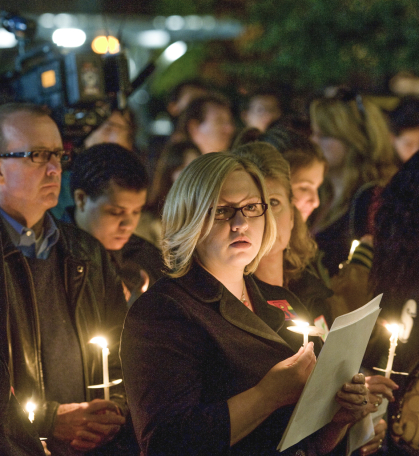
(234, 243)
(215, 132)
(283, 211)
(116, 129)
(333, 149)
(263, 110)
(407, 143)
(112, 217)
(28, 189)
(305, 183)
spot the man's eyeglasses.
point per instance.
(39, 155)
(248, 211)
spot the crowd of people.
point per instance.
(193, 273)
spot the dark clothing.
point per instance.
(188, 346)
(280, 296)
(136, 254)
(96, 306)
(56, 324)
(335, 240)
(313, 293)
(17, 436)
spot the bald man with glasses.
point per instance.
(62, 292)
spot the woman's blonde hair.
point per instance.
(362, 127)
(302, 248)
(186, 218)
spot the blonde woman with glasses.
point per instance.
(207, 367)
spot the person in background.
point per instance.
(182, 94)
(262, 108)
(174, 158)
(109, 186)
(208, 122)
(287, 264)
(118, 128)
(62, 291)
(354, 137)
(404, 127)
(206, 365)
(308, 165)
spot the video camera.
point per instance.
(80, 88)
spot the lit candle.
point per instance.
(101, 341)
(30, 408)
(303, 327)
(354, 245)
(394, 329)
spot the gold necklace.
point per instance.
(243, 298)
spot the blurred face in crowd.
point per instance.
(333, 149)
(116, 129)
(189, 93)
(28, 189)
(263, 110)
(215, 132)
(305, 183)
(112, 217)
(234, 243)
(283, 212)
(407, 143)
(188, 157)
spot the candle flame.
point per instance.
(30, 407)
(300, 323)
(393, 328)
(101, 341)
(354, 245)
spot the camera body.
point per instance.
(80, 88)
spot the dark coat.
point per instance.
(188, 345)
(96, 301)
(135, 255)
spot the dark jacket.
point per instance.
(136, 254)
(17, 436)
(188, 346)
(96, 302)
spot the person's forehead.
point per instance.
(31, 129)
(213, 109)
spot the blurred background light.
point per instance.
(69, 37)
(105, 45)
(175, 22)
(175, 51)
(7, 39)
(154, 39)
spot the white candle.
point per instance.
(394, 329)
(302, 328)
(30, 408)
(105, 354)
(354, 245)
(101, 341)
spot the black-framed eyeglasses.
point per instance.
(248, 211)
(39, 155)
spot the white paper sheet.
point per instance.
(339, 360)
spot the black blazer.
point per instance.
(188, 345)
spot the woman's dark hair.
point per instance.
(405, 116)
(96, 167)
(396, 238)
(297, 149)
(172, 158)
